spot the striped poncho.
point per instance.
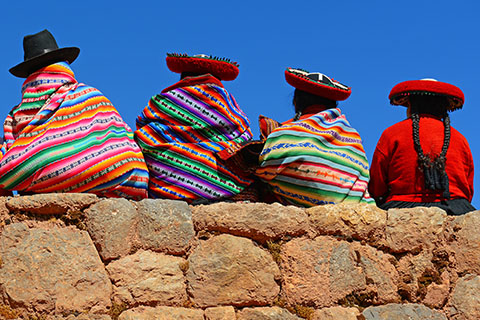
(182, 130)
(65, 136)
(317, 160)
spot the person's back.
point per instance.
(423, 161)
(317, 157)
(185, 128)
(66, 136)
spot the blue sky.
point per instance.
(367, 45)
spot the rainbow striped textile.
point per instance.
(182, 130)
(65, 136)
(315, 161)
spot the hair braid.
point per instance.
(433, 170)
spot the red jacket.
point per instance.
(394, 172)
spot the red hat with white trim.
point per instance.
(222, 68)
(399, 94)
(317, 83)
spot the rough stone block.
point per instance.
(51, 203)
(111, 224)
(220, 313)
(52, 270)
(257, 221)
(402, 312)
(148, 278)
(464, 240)
(414, 229)
(464, 301)
(229, 270)
(353, 221)
(165, 225)
(336, 313)
(266, 313)
(161, 313)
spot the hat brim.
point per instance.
(399, 93)
(224, 70)
(301, 82)
(24, 69)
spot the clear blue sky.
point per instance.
(368, 45)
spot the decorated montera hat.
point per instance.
(400, 93)
(317, 83)
(40, 50)
(222, 68)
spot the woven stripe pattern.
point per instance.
(181, 131)
(314, 161)
(66, 136)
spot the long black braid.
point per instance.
(433, 169)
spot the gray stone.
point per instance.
(53, 270)
(111, 224)
(148, 278)
(402, 312)
(51, 203)
(257, 221)
(161, 313)
(229, 270)
(165, 225)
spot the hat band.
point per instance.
(43, 51)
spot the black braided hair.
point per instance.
(303, 99)
(433, 168)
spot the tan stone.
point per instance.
(161, 313)
(437, 294)
(220, 313)
(319, 272)
(412, 270)
(266, 313)
(361, 221)
(414, 229)
(464, 240)
(257, 221)
(53, 270)
(51, 203)
(229, 270)
(148, 278)
(464, 301)
(336, 313)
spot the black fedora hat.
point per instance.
(40, 50)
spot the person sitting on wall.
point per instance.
(317, 157)
(184, 130)
(65, 136)
(423, 161)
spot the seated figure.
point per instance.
(423, 161)
(65, 136)
(317, 157)
(186, 131)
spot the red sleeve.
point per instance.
(470, 175)
(378, 185)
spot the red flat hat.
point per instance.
(222, 68)
(317, 84)
(400, 93)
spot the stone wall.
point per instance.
(77, 256)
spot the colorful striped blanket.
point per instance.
(65, 136)
(182, 130)
(314, 161)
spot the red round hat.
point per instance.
(317, 83)
(222, 68)
(400, 93)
